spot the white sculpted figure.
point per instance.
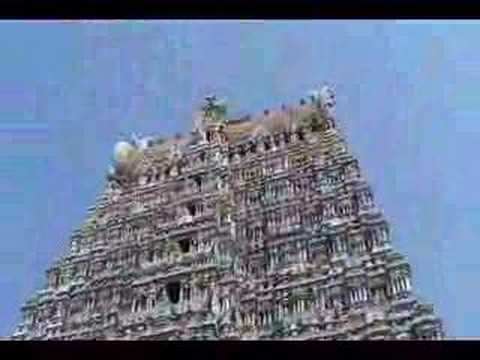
(215, 302)
(327, 99)
(175, 150)
(123, 151)
(142, 143)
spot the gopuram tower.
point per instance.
(255, 228)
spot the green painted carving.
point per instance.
(214, 110)
(278, 329)
(173, 248)
(311, 122)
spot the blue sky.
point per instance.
(407, 98)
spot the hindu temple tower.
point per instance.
(261, 227)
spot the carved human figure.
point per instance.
(141, 143)
(214, 108)
(215, 303)
(327, 99)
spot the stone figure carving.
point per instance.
(215, 109)
(327, 99)
(123, 151)
(142, 143)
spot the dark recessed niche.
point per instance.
(198, 182)
(140, 304)
(276, 141)
(184, 245)
(191, 209)
(300, 135)
(173, 291)
(315, 124)
(242, 151)
(151, 256)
